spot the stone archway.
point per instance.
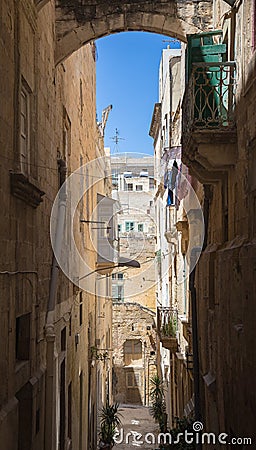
(80, 21)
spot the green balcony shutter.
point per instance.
(202, 48)
(206, 48)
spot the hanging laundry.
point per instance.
(166, 178)
(177, 187)
(169, 198)
(184, 183)
(172, 175)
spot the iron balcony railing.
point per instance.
(167, 322)
(209, 101)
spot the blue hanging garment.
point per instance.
(172, 175)
(169, 198)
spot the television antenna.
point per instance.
(116, 139)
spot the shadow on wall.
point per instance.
(128, 379)
(128, 385)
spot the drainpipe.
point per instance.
(50, 400)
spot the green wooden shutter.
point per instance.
(202, 48)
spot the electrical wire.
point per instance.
(51, 168)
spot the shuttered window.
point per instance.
(133, 346)
(106, 231)
(132, 379)
(129, 226)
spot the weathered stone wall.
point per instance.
(133, 321)
(57, 97)
(78, 23)
(226, 293)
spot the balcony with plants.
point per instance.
(167, 327)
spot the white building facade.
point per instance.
(172, 238)
(133, 188)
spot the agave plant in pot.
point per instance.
(158, 405)
(110, 419)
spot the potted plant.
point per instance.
(169, 329)
(168, 335)
(182, 425)
(110, 419)
(158, 405)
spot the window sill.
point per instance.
(25, 189)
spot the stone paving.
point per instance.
(137, 421)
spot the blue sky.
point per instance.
(127, 78)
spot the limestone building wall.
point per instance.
(172, 238)
(136, 228)
(226, 294)
(48, 378)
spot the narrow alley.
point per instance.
(138, 428)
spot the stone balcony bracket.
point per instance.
(26, 189)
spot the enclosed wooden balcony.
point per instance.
(167, 325)
(209, 126)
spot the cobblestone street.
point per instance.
(137, 421)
